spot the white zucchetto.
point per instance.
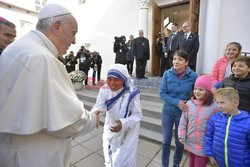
(52, 10)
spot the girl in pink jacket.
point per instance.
(222, 67)
(192, 127)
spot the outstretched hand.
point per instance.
(117, 126)
(97, 112)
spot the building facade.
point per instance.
(218, 23)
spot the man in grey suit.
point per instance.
(172, 43)
(189, 42)
(141, 53)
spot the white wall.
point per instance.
(98, 23)
(27, 4)
(230, 23)
(16, 16)
(235, 23)
(103, 20)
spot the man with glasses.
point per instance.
(172, 43)
(7, 33)
(189, 42)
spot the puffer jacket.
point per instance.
(219, 70)
(228, 139)
(243, 87)
(193, 123)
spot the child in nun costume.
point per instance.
(120, 100)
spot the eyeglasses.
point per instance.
(184, 26)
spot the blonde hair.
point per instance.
(228, 92)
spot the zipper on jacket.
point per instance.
(226, 139)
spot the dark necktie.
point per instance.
(185, 36)
(171, 41)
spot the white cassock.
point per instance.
(120, 148)
(39, 109)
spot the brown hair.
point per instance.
(208, 100)
(243, 59)
(175, 24)
(7, 23)
(183, 54)
(237, 44)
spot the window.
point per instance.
(25, 26)
(81, 2)
(39, 4)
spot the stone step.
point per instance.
(149, 134)
(150, 84)
(151, 124)
(153, 136)
(147, 122)
(149, 108)
(145, 94)
(154, 97)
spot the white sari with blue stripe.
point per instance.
(124, 105)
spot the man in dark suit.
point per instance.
(84, 57)
(172, 44)
(141, 53)
(189, 42)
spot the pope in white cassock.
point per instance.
(120, 101)
(39, 109)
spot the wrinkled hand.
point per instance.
(117, 126)
(97, 112)
(213, 161)
(182, 105)
(182, 141)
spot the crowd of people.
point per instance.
(40, 112)
(184, 39)
(86, 61)
(137, 48)
(225, 100)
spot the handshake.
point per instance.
(116, 127)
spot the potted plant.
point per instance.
(77, 78)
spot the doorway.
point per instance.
(177, 13)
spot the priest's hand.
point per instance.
(117, 126)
